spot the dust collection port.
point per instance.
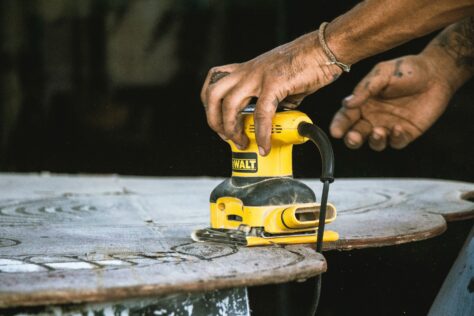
(310, 214)
(307, 214)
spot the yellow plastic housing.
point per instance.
(278, 162)
(282, 224)
(230, 213)
(328, 236)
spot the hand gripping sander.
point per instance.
(262, 203)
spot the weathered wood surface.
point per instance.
(382, 212)
(69, 239)
(456, 296)
(222, 302)
(65, 239)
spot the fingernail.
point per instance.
(347, 99)
(354, 138)
(239, 147)
(261, 151)
(376, 136)
(222, 136)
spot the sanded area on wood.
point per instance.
(70, 238)
(456, 296)
(75, 239)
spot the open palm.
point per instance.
(395, 103)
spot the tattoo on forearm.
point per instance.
(458, 41)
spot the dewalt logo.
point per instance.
(244, 162)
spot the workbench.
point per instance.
(122, 244)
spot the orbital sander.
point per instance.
(262, 204)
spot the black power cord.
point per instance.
(320, 139)
(319, 242)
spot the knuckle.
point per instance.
(261, 115)
(213, 123)
(229, 129)
(213, 70)
(211, 91)
(212, 95)
(266, 109)
(230, 103)
(230, 126)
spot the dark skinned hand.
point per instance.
(282, 76)
(394, 104)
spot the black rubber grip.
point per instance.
(321, 140)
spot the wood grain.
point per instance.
(383, 212)
(89, 239)
(67, 239)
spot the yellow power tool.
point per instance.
(262, 204)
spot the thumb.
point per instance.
(372, 85)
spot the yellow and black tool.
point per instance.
(262, 203)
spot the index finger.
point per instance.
(265, 109)
(343, 120)
(213, 76)
(371, 85)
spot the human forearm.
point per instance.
(290, 72)
(452, 53)
(374, 26)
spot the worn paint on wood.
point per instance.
(76, 239)
(67, 239)
(456, 296)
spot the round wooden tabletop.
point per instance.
(84, 239)
(70, 239)
(384, 212)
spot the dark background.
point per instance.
(64, 110)
(98, 86)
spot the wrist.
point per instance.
(309, 46)
(452, 52)
(443, 68)
(328, 52)
(330, 69)
(338, 43)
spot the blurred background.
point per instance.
(112, 86)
